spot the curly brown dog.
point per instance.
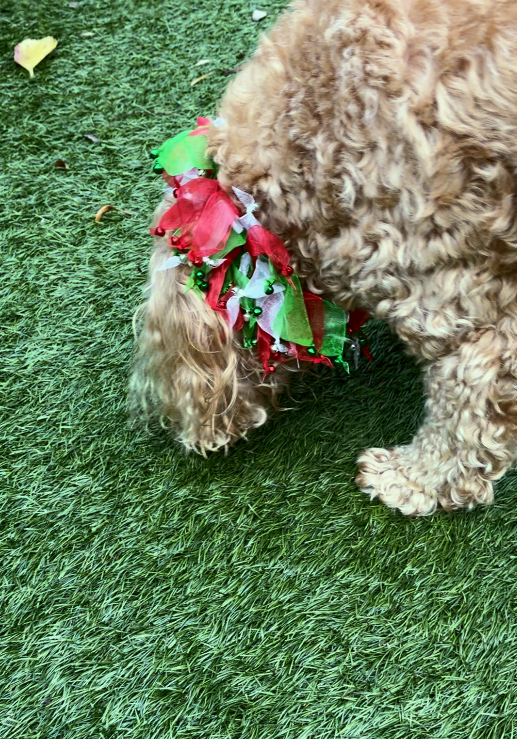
(379, 138)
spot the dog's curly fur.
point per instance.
(379, 138)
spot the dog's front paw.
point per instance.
(384, 474)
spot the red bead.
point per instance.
(196, 260)
(269, 369)
(287, 271)
(175, 240)
(159, 231)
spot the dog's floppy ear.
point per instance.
(189, 367)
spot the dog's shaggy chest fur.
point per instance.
(380, 141)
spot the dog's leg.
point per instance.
(467, 441)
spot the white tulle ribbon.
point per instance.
(188, 176)
(260, 279)
(277, 346)
(233, 306)
(213, 262)
(246, 199)
(271, 305)
(256, 289)
(173, 262)
(248, 219)
(245, 263)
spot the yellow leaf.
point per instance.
(31, 51)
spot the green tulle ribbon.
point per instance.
(181, 153)
(239, 279)
(234, 240)
(334, 330)
(292, 321)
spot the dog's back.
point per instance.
(381, 137)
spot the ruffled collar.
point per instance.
(243, 270)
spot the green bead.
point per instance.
(254, 342)
(312, 351)
(154, 153)
(269, 290)
(199, 273)
(257, 311)
(158, 168)
(203, 285)
(362, 341)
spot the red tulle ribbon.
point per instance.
(266, 354)
(261, 241)
(217, 276)
(356, 319)
(316, 316)
(202, 125)
(204, 213)
(301, 353)
(263, 346)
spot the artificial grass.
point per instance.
(146, 593)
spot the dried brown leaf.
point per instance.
(107, 208)
(236, 69)
(198, 79)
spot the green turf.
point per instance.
(146, 593)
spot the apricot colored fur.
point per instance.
(380, 140)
